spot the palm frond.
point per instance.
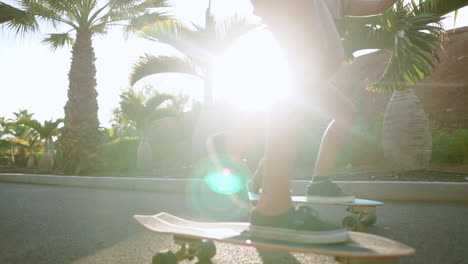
(416, 44)
(17, 19)
(137, 23)
(139, 111)
(58, 40)
(132, 106)
(149, 65)
(232, 29)
(49, 11)
(151, 4)
(413, 36)
(438, 7)
(162, 113)
(157, 100)
(50, 128)
(132, 10)
(34, 124)
(46, 130)
(192, 41)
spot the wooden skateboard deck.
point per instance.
(362, 211)
(362, 248)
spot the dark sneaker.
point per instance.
(327, 192)
(296, 225)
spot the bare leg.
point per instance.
(284, 126)
(245, 133)
(343, 112)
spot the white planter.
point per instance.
(31, 164)
(406, 132)
(46, 162)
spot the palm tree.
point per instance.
(17, 19)
(412, 35)
(46, 132)
(86, 18)
(141, 113)
(31, 147)
(18, 135)
(413, 32)
(199, 45)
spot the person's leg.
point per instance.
(284, 127)
(297, 35)
(228, 149)
(343, 113)
(292, 29)
(332, 103)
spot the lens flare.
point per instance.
(224, 181)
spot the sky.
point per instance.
(35, 78)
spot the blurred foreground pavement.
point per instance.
(58, 225)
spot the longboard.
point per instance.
(362, 211)
(196, 240)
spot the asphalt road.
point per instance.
(49, 224)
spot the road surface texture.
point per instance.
(50, 224)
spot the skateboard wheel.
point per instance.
(369, 221)
(206, 250)
(351, 223)
(164, 258)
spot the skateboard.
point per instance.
(362, 212)
(196, 240)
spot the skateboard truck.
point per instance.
(204, 250)
(360, 216)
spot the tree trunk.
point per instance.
(144, 156)
(80, 135)
(406, 133)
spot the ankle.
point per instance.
(273, 208)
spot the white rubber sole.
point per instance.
(331, 199)
(300, 236)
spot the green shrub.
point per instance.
(450, 146)
(119, 155)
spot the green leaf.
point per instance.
(56, 41)
(149, 65)
(17, 19)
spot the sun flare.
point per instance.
(252, 73)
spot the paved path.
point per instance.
(48, 224)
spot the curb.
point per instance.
(373, 190)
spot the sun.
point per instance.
(252, 73)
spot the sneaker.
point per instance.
(296, 225)
(327, 192)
